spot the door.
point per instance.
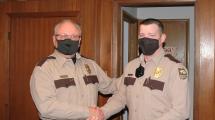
(177, 32)
(31, 40)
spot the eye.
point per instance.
(73, 37)
(141, 35)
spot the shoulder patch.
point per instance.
(44, 60)
(182, 73)
(172, 58)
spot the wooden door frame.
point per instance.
(133, 30)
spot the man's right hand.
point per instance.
(95, 114)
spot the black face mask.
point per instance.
(148, 46)
(67, 46)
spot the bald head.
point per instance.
(66, 27)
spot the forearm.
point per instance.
(114, 105)
(58, 110)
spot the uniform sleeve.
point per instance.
(117, 102)
(178, 95)
(106, 84)
(44, 96)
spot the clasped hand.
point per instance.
(95, 113)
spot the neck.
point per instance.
(149, 57)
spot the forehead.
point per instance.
(68, 28)
(151, 28)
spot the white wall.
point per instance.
(176, 13)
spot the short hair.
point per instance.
(153, 21)
(66, 21)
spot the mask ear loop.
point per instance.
(140, 70)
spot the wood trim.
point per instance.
(129, 18)
(45, 14)
(45, 5)
(89, 28)
(4, 62)
(155, 2)
(204, 102)
(117, 40)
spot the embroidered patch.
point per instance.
(182, 73)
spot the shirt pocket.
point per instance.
(64, 88)
(129, 81)
(65, 83)
(153, 84)
(90, 79)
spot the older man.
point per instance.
(65, 85)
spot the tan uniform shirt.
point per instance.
(160, 94)
(64, 90)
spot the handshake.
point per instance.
(95, 114)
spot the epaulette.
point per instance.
(82, 56)
(44, 60)
(172, 58)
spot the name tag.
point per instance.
(90, 79)
(64, 83)
(129, 81)
(153, 84)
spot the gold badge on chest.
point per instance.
(158, 72)
(87, 67)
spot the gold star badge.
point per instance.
(87, 68)
(158, 72)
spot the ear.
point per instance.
(54, 41)
(163, 37)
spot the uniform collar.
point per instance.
(61, 59)
(157, 57)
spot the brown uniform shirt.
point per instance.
(160, 94)
(64, 90)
